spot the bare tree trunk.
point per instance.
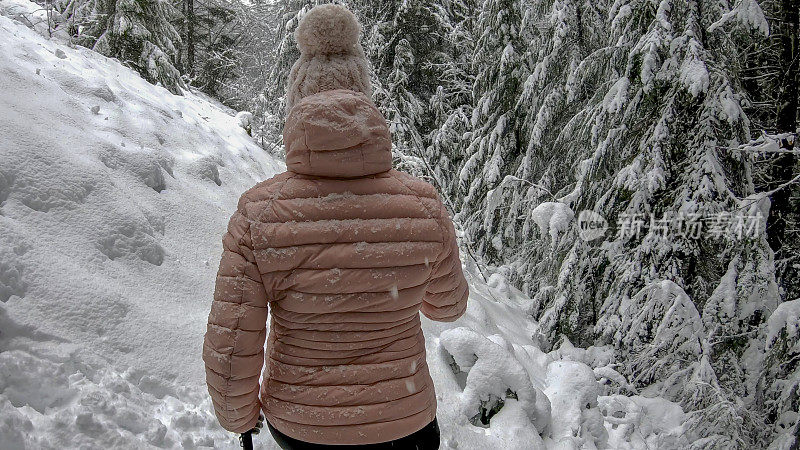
(189, 5)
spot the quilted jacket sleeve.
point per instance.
(446, 296)
(233, 349)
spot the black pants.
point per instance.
(425, 439)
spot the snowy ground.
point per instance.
(114, 195)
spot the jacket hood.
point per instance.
(338, 133)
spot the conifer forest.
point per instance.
(629, 168)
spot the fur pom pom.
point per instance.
(326, 30)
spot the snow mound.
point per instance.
(573, 393)
(498, 389)
(641, 422)
(65, 404)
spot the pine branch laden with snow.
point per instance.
(552, 218)
(746, 13)
(492, 150)
(663, 329)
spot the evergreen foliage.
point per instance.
(137, 32)
(494, 147)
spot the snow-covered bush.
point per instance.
(494, 379)
(45, 20)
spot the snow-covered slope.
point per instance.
(114, 195)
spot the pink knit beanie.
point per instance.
(330, 55)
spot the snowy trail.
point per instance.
(114, 195)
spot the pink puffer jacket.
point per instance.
(344, 251)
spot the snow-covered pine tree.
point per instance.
(212, 32)
(770, 79)
(267, 76)
(403, 109)
(408, 43)
(567, 53)
(286, 53)
(234, 45)
(673, 359)
(445, 151)
(495, 149)
(450, 106)
(570, 51)
(139, 33)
